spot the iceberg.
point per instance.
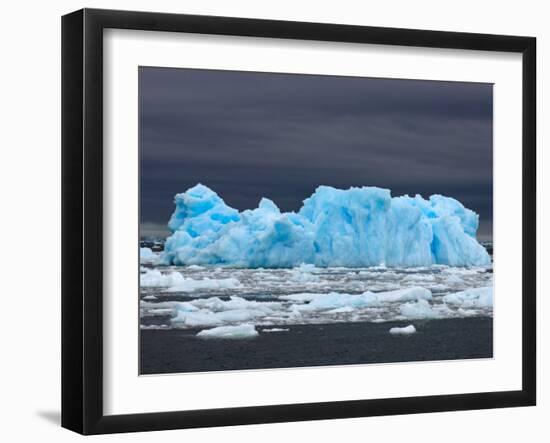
(357, 227)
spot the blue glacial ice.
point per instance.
(357, 227)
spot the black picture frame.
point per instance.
(82, 216)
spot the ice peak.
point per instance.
(266, 203)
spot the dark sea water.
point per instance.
(174, 351)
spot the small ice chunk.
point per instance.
(419, 309)
(148, 304)
(419, 278)
(175, 282)
(215, 311)
(471, 298)
(408, 294)
(276, 330)
(235, 302)
(303, 277)
(159, 311)
(407, 330)
(335, 300)
(461, 271)
(307, 268)
(146, 255)
(191, 319)
(239, 331)
(154, 327)
(454, 279)
(301, 297)
(190, 284)
(304, 273)
(155, 278)
(342, 310)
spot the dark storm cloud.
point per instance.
(253, 135)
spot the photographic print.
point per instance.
(293, 220)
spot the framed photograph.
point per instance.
(268, 221)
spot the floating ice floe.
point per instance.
(407, 330)
(214, 311)
(240, 331)
(354, 227)
(201, 318)
(418, 309)
(268, 298)
(276, 330)
(454, 280)
(192, 285)
(147, 256)
(439, 279)
(471, 298)
(336, 300)
(423, 278)
(175, 282)
(342, 310)
(155, 278)
(304, 274)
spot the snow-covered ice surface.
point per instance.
(334, 227)
(207, 297)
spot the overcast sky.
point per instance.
(252, 135)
